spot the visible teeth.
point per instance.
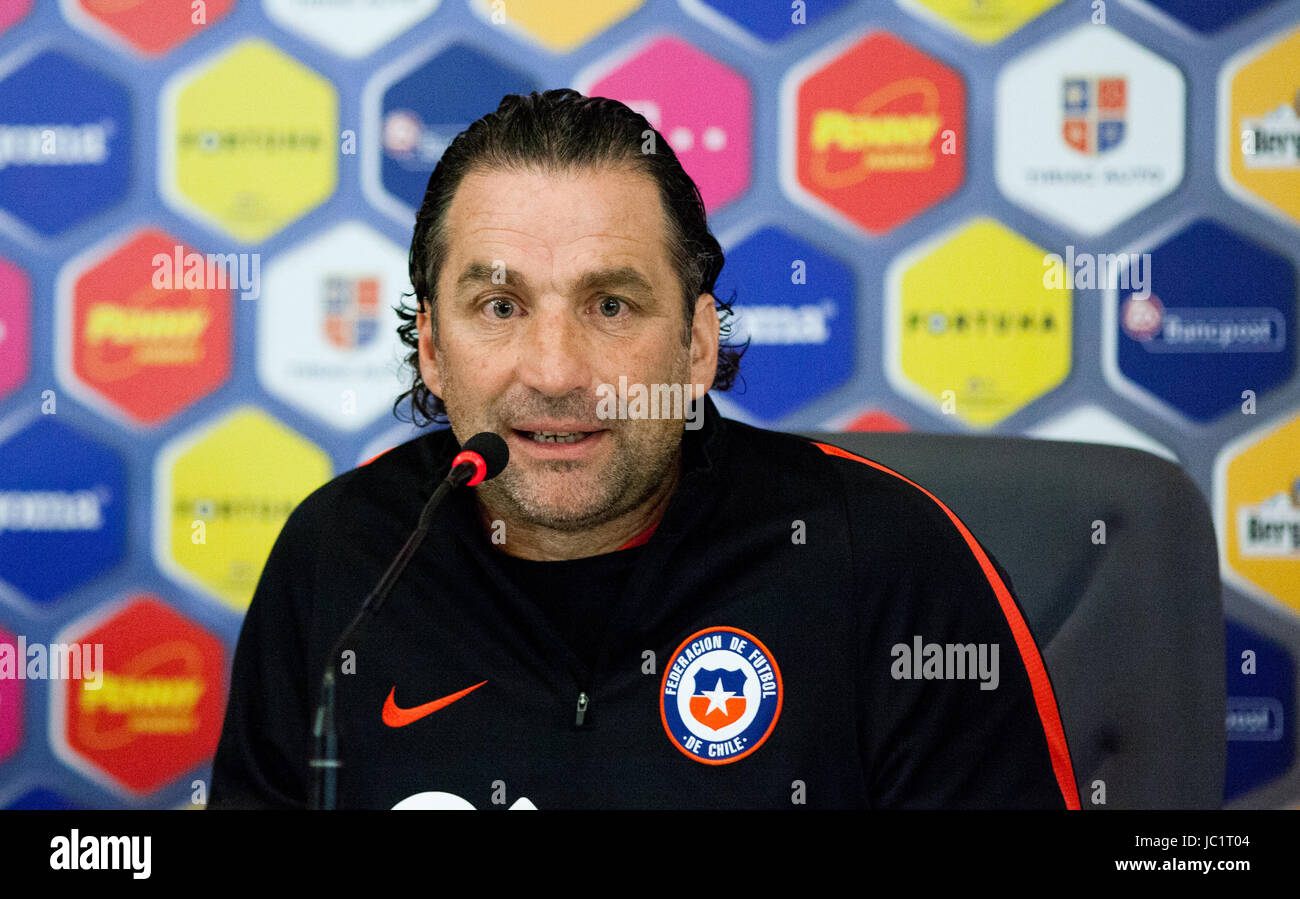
(557, 436)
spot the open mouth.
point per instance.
(555, 436)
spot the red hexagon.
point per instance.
(877, 420)
(140, 338)
(157, 712)
(151, 26)
(877, 134)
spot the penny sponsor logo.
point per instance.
(91, 853)
(946, 661)
(53, 661)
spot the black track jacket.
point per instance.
(804, 629)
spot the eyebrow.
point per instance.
(623, 278)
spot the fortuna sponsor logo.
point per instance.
(54, 144)
(779, 325)
(57, 661)
(721, 695)
(77, 853)
(52, 510)
(253, 138)
(946, 661)
(211, 271)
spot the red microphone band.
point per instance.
(480, 467)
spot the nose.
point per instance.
(553, 351)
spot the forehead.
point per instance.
(564, 221)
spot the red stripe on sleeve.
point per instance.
(377, 455)
(1044, 699)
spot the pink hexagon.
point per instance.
(15, 326)
(11, 696)
(12, 10)
(702, 107)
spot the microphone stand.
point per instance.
(325, 764)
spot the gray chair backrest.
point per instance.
(1131, 629)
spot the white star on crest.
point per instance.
(717, 698)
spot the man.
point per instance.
(669, 610)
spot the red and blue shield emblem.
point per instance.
(1095, 110)
(351, 307)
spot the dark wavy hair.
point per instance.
(556, 131)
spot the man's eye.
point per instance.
(611, 306)
(501, 307)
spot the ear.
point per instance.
(428, 352)
(704, 341)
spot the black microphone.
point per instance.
(486, 454)
(483, 457)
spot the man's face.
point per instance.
(552, 285)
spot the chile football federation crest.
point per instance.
(721, 695)
(1094, 113)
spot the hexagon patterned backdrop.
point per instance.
(1070, 219)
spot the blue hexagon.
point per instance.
(62, 510)
(1220, 319)
(1261, 704)
(1208, 16)
(43, 798)
(796, 305)
(66, 155)
(768, 20)
(421, 113)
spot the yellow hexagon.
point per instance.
(983, 21)
(223, 495)
(249, 140)
(559, 25)
(1259, 117)
(1257, 499)
(974, 328)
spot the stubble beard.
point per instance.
(569, 495)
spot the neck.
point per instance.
(540, 543)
